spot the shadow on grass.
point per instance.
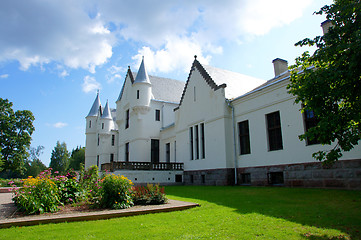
(321, 208)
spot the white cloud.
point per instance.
(64, 73)
(39, 32)
(178, 54)
(4, 76)
(77, 34)
(90, 84)
(57, 125)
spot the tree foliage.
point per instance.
(16, 129)
(328, 82)
(34, 166)
(59, 157)
(77, 158)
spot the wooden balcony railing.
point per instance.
(142, 166)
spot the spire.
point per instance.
(94, 111)
(106, 113)
(142, 75)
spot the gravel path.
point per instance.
(7, 206)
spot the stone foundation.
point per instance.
(344, 174)
(209, 177)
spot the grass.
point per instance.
(225, 213)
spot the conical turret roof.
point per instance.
(142, 75)
(106, 113)
(94, 111)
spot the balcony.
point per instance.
(141, 166)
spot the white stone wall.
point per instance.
(154, 177)
(254, 108)
(202, 104)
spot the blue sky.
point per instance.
(54, 55)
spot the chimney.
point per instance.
(325, 26)
(280, 66)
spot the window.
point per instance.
(245, 178)
(98, 140)
(127, 119)
(157, 115)
(90, 124)
(112, 157)
(274, 131)
(127, 152)
(175, 151)
(202, 141)
(154, 155)
(197, 141)
(102, 125)
(98, 160)
(310, 121)
(137, 94)
(243, 133)
(178, 178)
(203, 178)
(275, 178)
(167, 152)
(113, 140)
(191, 142)
(194, 92)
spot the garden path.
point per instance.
(7, 206)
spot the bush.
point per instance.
(10, 182)
(116, 192)
(38, 195)
(90, 183)
(70, 191)
(151, 194)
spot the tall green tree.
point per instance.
(328, 82)
(59, 157)
(34, 166)
(16, 129)
(77, 158)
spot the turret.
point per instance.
(91, 133)
(94, 113)
(106, 120)
(142, 91)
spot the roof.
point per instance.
(236, 84)
(163, 89)
(142, 76)
(106, 112)
(94, 111)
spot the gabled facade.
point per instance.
(217, 128)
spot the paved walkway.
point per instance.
(7, 209)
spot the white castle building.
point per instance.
(217, 128)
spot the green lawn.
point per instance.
(225, 213)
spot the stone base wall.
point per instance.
(344, 174)
(209, 177)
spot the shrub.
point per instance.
(70, 191)
(10, 182)
(90, 183)
(38, 195)
(151, 194)
(116, 192)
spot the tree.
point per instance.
(34, 166)
(77, 158)
(59, 157)
(329, 81)
(16, 129)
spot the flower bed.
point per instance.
(48, 191)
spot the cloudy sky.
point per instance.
(54, 55)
